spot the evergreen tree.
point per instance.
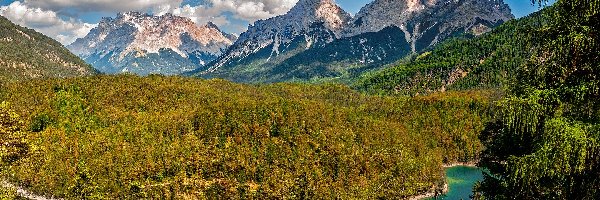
(545, 141)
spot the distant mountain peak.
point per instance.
(212, 26)
(307, 6)
(111, 46)
(311, 4)
(133, 14)
(327, 11)
(313, 21)
(420, 19)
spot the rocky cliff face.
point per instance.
(380, 14)
(303, 42)
(146, 44)
(316, 22)
(427, 22)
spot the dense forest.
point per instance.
(543, 141)
(522, 100)
(161, 137)
(463, 63)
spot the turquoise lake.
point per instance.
(461, 180)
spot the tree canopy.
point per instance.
(544, 144)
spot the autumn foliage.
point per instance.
(162, 137)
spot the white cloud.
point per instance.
(215, 11)
(249, 10)
(46, 22)
(50, 16)
(252, 10)
(102, 5)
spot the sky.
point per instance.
(67, 20)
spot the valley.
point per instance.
(196, 139)
(310, 103)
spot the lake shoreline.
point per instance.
(457, 164)
(432, 193)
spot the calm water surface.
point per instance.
(461, 180)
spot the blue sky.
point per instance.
(66, 20)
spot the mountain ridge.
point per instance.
(147, 44)
(27, 54)
(282, 30)
(485, 62)
(416, 17)
(423, 24)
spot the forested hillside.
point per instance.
(162, 137)
(486, 62)
(543, 141)
(523, 100)
(26, 54)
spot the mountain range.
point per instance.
(145, 44)
(317, 39)
(314, 40)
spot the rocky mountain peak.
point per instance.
(211, 25)
(429, 21)
(326, 11)
(309, 5)
(380, 14)
(312, 21)
(322, 28)
(131, 14)
(140, 35)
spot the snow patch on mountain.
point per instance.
(429, 21)
(306, 17)
(136, 35)
(273, 48)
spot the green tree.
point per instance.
(545, 141)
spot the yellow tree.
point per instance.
(13, 143)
